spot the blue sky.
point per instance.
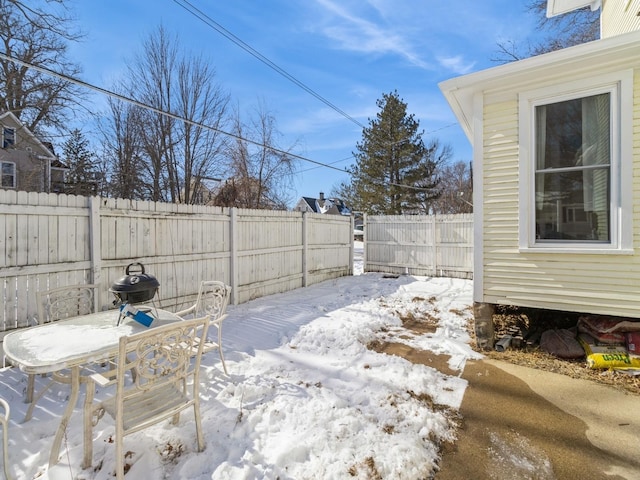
(348, 51)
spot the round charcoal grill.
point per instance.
(136, 286)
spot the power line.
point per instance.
(353, 156)
(158, 111)
(189, 7)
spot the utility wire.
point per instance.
(158, 111)
(188, 6)
(196, 12)
(137, 103)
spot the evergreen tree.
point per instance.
(395, 173)
(83, 174)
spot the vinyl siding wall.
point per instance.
(590, 283)
(618, 17)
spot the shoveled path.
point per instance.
(523, 423)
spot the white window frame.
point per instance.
(12, 141)
(620, 86)
(15, 173)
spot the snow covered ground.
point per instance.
(306, 398)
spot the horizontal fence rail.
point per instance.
(50, 240)
(426, 245)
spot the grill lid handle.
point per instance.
(128, 269)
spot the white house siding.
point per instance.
(500, 204)
(593, 283)
(619, 16)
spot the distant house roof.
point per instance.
(45, 147)
(330, 204)
(333, 206)
(312, 203)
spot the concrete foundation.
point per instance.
(483, 316)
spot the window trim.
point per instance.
(12, 142)
(15, 174)
(620, 86)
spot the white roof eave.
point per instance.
(582, 60)
(558, 7)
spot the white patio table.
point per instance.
(70, 344)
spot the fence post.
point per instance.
(434, 239)
(353, 246)
(305, 248)
(95, 253)
(233, 254)
(364, 242)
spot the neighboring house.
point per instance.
(26, 163)
(332, 206)
(556, 146)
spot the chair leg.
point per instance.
(88, 425)
(119, 449)
(224, 365)
(199, 434)
(4, 419)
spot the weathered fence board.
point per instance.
(49, 240)
(427, 245)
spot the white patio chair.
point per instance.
(213, 298)
(161, 358)
(4, 420)
(58, 304)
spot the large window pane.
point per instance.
(563, 214)
(572, 182)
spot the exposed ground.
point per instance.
(532, 356)
(528, 355)
(504, 442)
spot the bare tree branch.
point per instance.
(572, 28)
(38, 100)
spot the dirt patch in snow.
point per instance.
(422, 357)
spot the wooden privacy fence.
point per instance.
(427, 245)
(49, 240)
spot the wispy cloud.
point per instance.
(355, 33)
(457, 64)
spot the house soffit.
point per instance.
(558, 7)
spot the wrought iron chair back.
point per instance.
(213, 299)
(58, 304)
(162, 362)
(64, 302)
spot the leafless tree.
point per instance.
(35, 36)
(261, 172)
(127, 172)
(50, 15)
(456, 189)
(572, 28)
(184, 147)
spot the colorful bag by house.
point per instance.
(618, 361)
(602, 329)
